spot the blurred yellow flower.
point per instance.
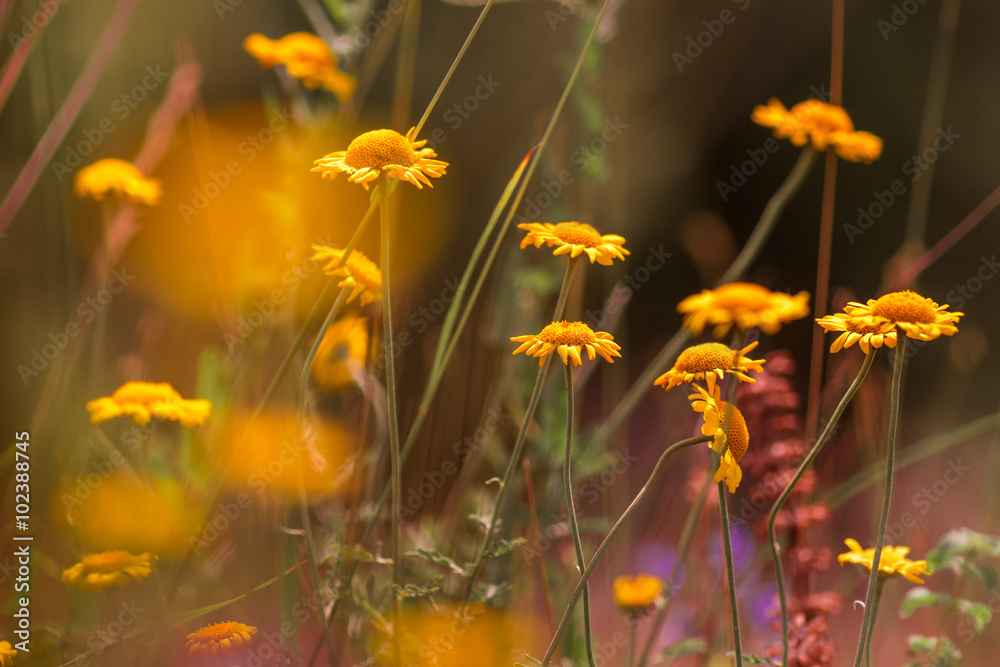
(823, 125)
(220, 638)
(383, 150)
(575, 238)
(144, 400)
(7, 654)
(111, 568)
(569, 339)
(120, 178)
(746, 305)
(726, 424)
(359, 272)
(637, 594)
(874, 334)
(345, 344)
(709, 362)
(917, 315)
(306, 57)
(893, 561)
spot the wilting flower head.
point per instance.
(918, 316)
(120, 178)
(359, 272)
(574, 238)
(306, 57)
(383, 150)
(144, 400)
(892, 563)
(746, 305)
(725, 423)
(823, 125)
(111, 568)
(868, 335)
(636, 595)
(708, 362)
(569, 339)
(7, 653)
(345, 342)
(220, 638)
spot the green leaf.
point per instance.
(978, 612)
(437, 558)
(503, 547)
(958, 548)
(354, 552)
(752, 659)
(988, 573)
(691, 646)
(921, 596)
(421, 591)
(939, 651)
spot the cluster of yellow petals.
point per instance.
(636, 595)
(358, 273)
(220, 638)
(892, 563)
(868, 335)
(569, 340)
(111, 568)
(747, 305)
(371, 153)
(345, 344)
(920, 317)
(821, 124)
(7, 653)
(144, 400)
(709, 362)
(725, 423)
(574, 239)
(119, 178)
(306, 57)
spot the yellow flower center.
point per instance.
(737, 296)
(380, 148)
(111, 561)
(737, 436)
(706, 357)
(823, 117)
(578, 233)
(568, 333)
(905, 306)
(864, 329)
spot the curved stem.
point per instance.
(307, 366)
(779, 503)
(897, 372)
(581, 584)
(871, 627)
(727, 542)
(574, 528)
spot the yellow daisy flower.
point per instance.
(111, 568)
(870, 335)
(359, 273)
(120, 178)
(306, 57)
(569, 339)
(821, 124)
(636, 595)
(220, 638)
(893, 561)
(144, 400)
(575, 238)
(708, 362)
(7, 653)
(383, 150)
(746, 305)
(345, 342)
(726, 424)
(917, 315)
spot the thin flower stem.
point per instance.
(581, 561)
(630, 648)
(581, 584)
(871, 628)
(780, 502)
(307, 366)
(324, 627)
(727, 542)
(897, 372)
(765, 225)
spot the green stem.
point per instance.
(730, 572)
(871, 627)
(633, 623)
(330, 317)
(780, 502)
(324, 627)
(581, 561)
(897, 372)
(578, 590)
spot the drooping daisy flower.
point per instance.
(569, 339)
(306, 57)
(220, 638)
(636, 595)
(119, 178)
(359, 273)
(7, 653)
(345, 342)
(875, 334)
(144, 400)
(746, 305)
(111, 568)
(383, 150)
(726, 424)
(575, 238)
(708, 362)
(821, 124)
(893, 562)
(917, 315)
